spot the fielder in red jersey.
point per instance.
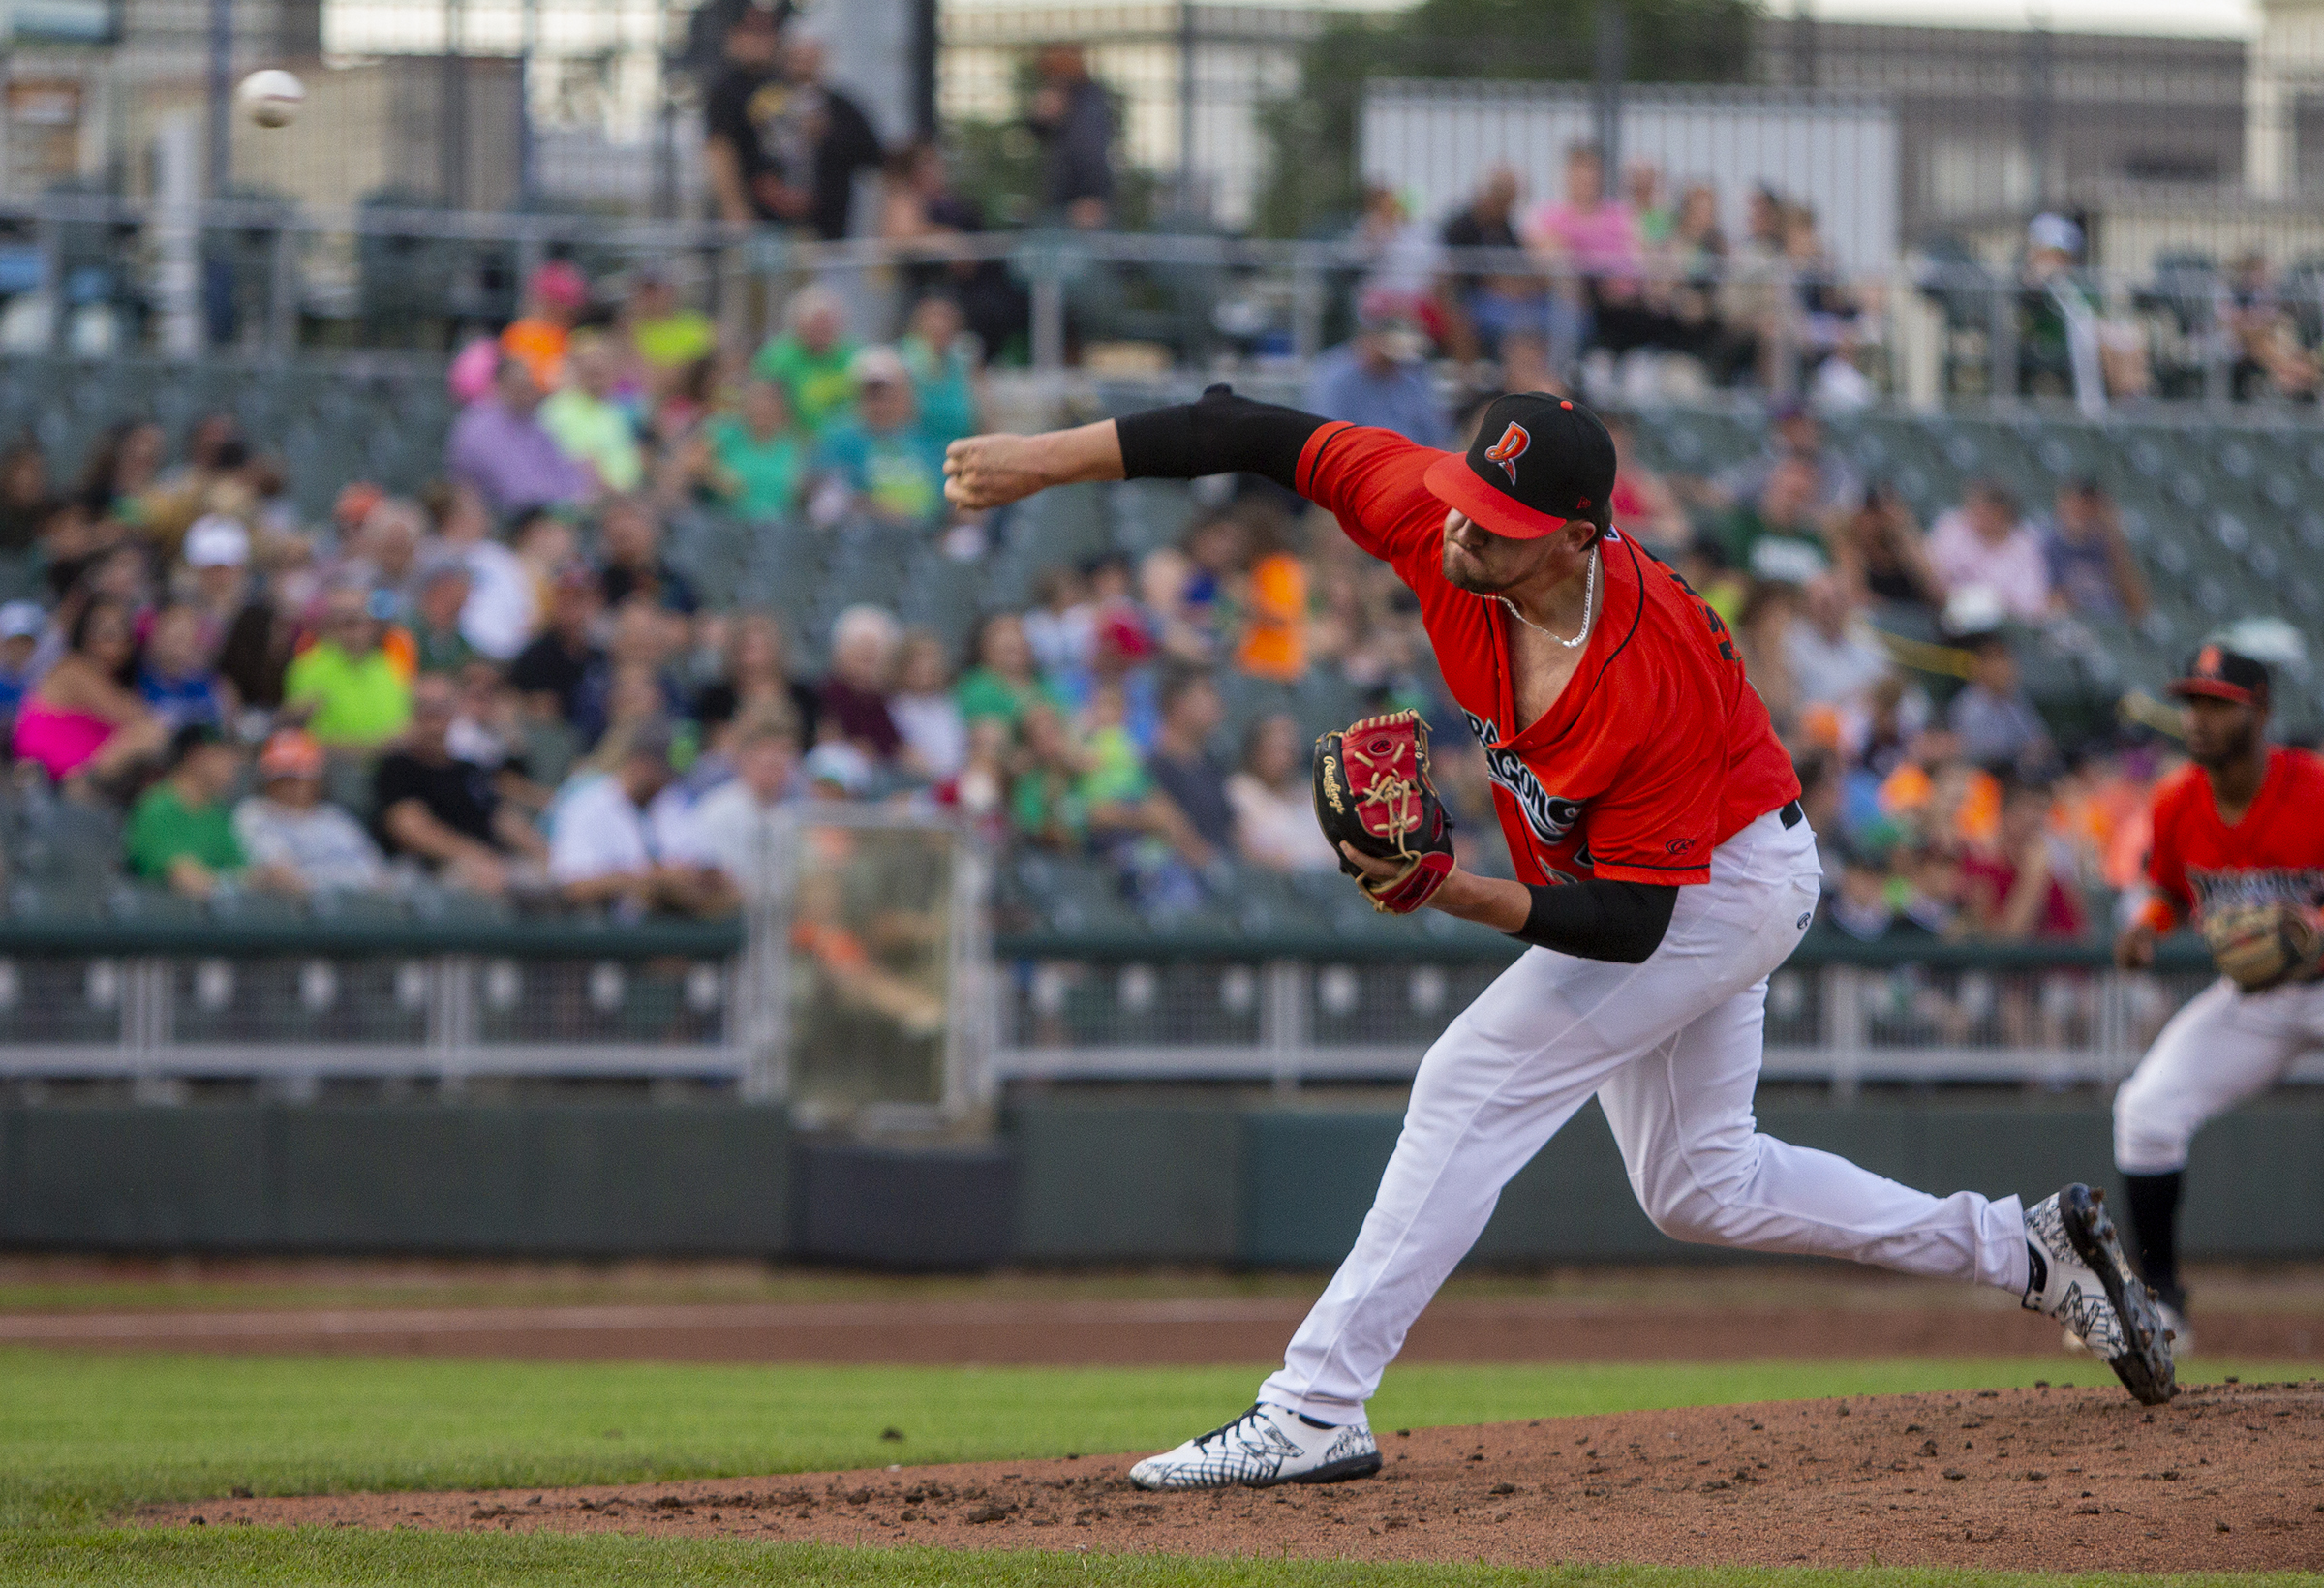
(1668, 869)
(2275, 853)
(2243, 824)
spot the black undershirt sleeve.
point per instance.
(1221, 434)
(1623, 922)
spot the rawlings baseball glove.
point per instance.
(1372, 791)
(2259, 946)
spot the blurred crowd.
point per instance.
(1600, 272)
(503, 685)
(1632, 285)
(784, 148)
(508, 686)
(1635, 291)
(1945, 806)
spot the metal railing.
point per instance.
(861, 986)
(846, 988)
(99, 277)
(1299, 1010)
(298, 1002)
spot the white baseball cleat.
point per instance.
(1266, 1445)
(2175, 1328)
(2079, 1276)
(2175, 1324)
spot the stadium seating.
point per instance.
(2226, 518)
(2227, 521)
(329, 423)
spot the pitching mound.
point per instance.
(2228, 1478)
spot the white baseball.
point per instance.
(272, 98)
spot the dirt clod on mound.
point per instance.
(2226, 1478)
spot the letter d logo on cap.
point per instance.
(1509, 450)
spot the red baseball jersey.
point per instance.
(2275, 853)
(1656, 752)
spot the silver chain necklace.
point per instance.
(1589, 591)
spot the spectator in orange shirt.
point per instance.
(1273, 644)
(553, 302)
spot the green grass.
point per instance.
(313, 1558)
(82, 1436)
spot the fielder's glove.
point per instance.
(2259, 946)
(1372, 791)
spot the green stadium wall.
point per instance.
(1087, 1180)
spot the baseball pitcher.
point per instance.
(1665, 866)
(2239, 849)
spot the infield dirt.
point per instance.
(2227, 1478)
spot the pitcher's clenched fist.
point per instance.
(982, 472)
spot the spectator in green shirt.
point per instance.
(585, 421)
(1090, 791)
(813, 360)
(754, 454)
(665, 334)
(1048, 801)
(441, 595)
(938, 350)
(891, 465)
(1779, 535)
(356, 695)
(181, 831)
(1003, 681)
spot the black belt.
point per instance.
(1792, 815)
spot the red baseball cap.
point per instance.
(560, 281)
(291, 752)
(1538, 463)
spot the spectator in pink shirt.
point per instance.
(1983, 543)
(1596, 235)
(1589, 228)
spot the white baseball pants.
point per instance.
(2224, 1046)
(1671, 1049)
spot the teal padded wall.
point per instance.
(558, 1180)
(1184, 1180)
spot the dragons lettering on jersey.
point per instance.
(2226, 889)
(1550, 817)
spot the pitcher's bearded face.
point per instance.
(1487, 564)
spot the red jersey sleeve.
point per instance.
(1371, 480)
(1659, 821)
(2166, 858)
